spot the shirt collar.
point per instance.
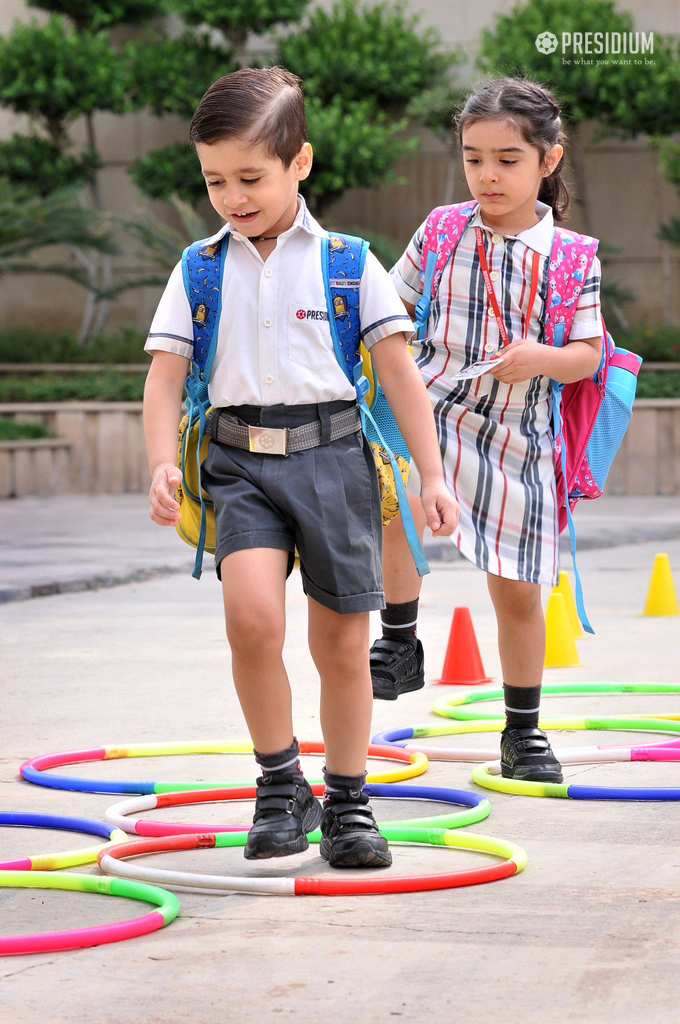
(539, 237)
(303, 221)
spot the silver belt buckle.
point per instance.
(267, 440)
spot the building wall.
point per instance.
(626, 197)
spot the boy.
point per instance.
(275, 367)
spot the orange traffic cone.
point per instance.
(463, 662)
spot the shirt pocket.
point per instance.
(309, 337)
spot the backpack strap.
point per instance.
(571, 257)
(202, 272)
(342, 263)
(343, 258)
(443, 231)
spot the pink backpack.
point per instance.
(590, 416)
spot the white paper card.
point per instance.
(478, 369)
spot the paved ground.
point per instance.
(70, 543)
(589, 933)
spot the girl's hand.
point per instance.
(164, 508)
(522, 360)
(441, 508)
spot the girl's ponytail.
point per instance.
(533, 109)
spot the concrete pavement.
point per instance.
(69, 543)
(589, 933)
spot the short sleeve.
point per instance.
(587, 321)
(406, 273)
(172, 328)
(382, 311)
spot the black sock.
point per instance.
(522, 705)
(283, 762)
(400, 621)
(336, 783)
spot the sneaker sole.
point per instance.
(415, 683)
(265, 847)
(531, 773)
(355, 854)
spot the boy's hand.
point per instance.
(164, 508)
(522, 360)
(441, 508)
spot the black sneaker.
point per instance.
(285, 811)
(350, 836)
(396, 667)
(526, 755)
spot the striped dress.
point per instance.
(495, 439)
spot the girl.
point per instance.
(495, 431)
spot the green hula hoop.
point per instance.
(453, 706)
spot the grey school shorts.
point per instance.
(324, 501)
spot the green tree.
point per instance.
(669, 233)
(91, 15)
(623, 99)
(57, 73)
(29, 223)
(170, 171)
(39, 165)
(353, 146)
(237, 19)
(169, 76)
(357, 53)
(360, 66)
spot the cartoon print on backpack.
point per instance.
(579, 273)
(555, 264)
(210, 251)
(574, 296)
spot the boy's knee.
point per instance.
(255, 628)
(343, 646)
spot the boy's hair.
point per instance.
(263, 106)
(533, 110)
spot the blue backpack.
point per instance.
(342, 261)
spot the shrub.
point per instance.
(12, 431)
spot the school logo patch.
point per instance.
(301, 314)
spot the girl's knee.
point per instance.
(515, 599)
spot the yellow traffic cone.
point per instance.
(661, 599)
(564, 588)
(560, 649)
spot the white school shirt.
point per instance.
(274, 341)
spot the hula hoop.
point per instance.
(514, 860)
(452, 706)
(488, 776)
(52, 861)
(35, 770)
(476, 808)
(78, 938)
(668, 750)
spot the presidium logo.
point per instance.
(547, 42)
(607, 44)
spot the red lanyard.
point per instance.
(502, 330)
